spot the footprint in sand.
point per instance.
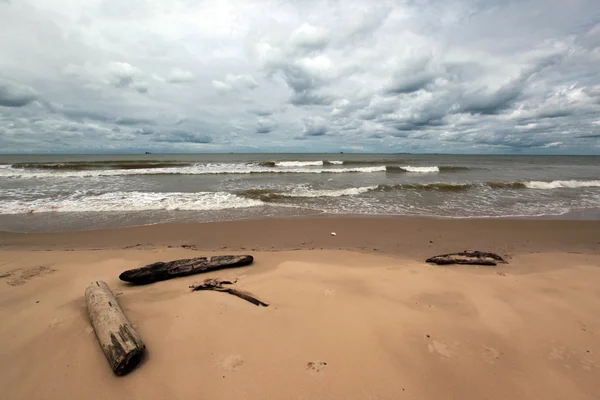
(441, 348)
(558, 353)
(587, 364)
(316, 366)
(56, 321)
(570, 357)
(232, 362)
(21, 276)
(490, 354)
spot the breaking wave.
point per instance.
(298, 163)
(408, 168)
(117, 168)
(287, 164)
(562, 184)
(83, 201)
(302, 192)
(131, 201)
(195, 169)
(100, 165)
(429, 169)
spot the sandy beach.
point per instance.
(358, 315)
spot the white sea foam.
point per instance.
(197, 169)
(409, 168)
(303, 192)
(298, 163)
(562, 184)
(335, 162)
(131, 201)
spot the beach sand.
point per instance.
(358, 315)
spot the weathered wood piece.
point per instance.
(217, 284)
(121, 344)
(161, 271)
(467, 257)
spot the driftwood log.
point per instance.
(467, 257)
(161, 271)
(121, 344)
(217, 284)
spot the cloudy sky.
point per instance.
(475, 76)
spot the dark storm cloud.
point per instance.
(82, 115)
(314, 126)
(124, 81)
(304, 84)
(412, 77)
(482, 102)
(555, 113)
(133, 121)
(13, 95)
(144, 131)
(265, 125)
(411, 84)
(417, 124)
(183, 137)
(261, 112)
(307, 98)
(317, 131)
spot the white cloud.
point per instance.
(435, 75)
(123, 74)
(553, 144)
(235, 82)
(310, 37)
(178, 75)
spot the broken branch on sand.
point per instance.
(161, 271)
(217, 284)
(471, 257)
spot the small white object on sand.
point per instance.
(333, 234)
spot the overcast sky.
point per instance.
(300, 75)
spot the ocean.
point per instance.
(79, 192)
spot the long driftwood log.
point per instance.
(467, 257)
(121, 344)
(217, 284)
(161, 271)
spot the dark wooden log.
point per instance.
(467, 257)
(161, 271)
(121, 344)
(217, 284)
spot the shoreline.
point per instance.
(13, 223)
(412, 236)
